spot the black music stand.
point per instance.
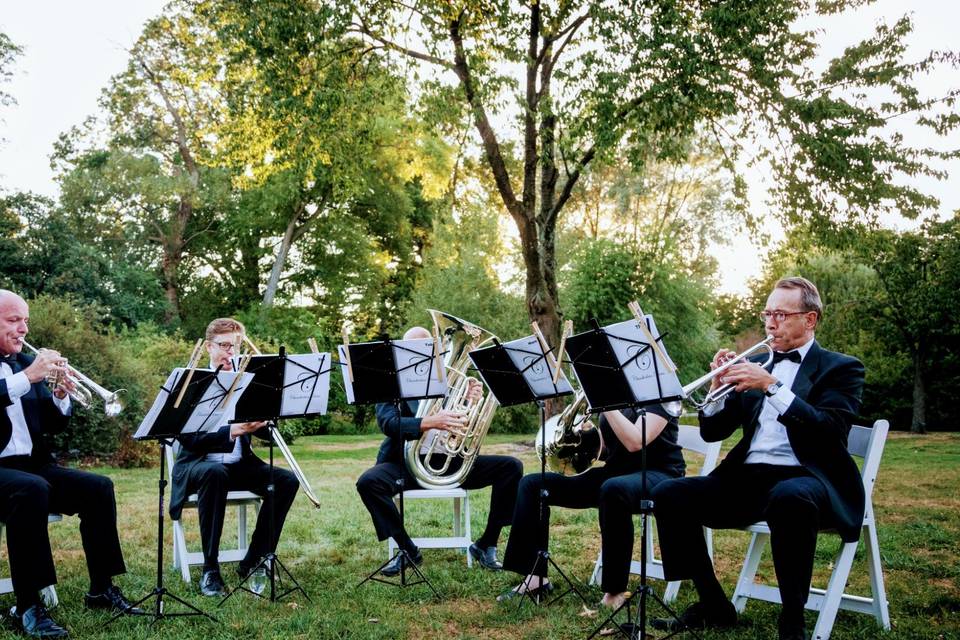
(264, 401)
(609, 363)
(173, 410)
(517, 373)
(372, 375)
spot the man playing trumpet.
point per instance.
(32, 485)
(377, 485)
(791, 468)
(213, 463)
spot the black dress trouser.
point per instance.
(378, 484)
(616, 494)
(213, 480)
(29, 491)
(793, 502)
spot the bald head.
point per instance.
(416, 333)
(14, 314)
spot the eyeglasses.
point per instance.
(226, 346)
(779, 316)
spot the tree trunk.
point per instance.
(278, 262)
(918, 423)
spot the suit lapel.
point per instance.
(808, 368)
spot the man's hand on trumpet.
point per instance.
(746, 375)
(50, 365)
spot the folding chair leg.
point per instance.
(597, 570)
(242, 526)
(879, 592)
(834, 592)
(180, 551)
(749, 571)
(467, 528)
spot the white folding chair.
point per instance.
(688, 438)
(866, 443)
(461, 538)
(183, 558)
(49, 592)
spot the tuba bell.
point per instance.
(432, 466)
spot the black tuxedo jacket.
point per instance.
(39, 410)
(828, 388)
(398, 426)
(194, 447)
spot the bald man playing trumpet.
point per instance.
(32, 485)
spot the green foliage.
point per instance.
(8, 55)
(605, 276)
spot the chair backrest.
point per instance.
(868, 443)
(689, 438)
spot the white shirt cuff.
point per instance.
(781, 400)
(63, 405)
(714, 407)
(17, 385)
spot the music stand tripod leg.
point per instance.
(270, 561)
(159, 591)
(543, 555)
(405, 560)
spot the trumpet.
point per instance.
(84, 388)
(722, 392)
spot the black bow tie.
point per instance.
(793, 356)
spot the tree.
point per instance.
(8, 55)
(586, 81)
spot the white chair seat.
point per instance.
(867, 443)
(461, 538)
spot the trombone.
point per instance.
(281, 443)
(723, 391)
(84, 388)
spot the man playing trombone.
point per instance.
(213, 463)
(32, 485)
(791, 468)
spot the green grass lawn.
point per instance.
(332, 548)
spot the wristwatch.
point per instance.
(772, 389)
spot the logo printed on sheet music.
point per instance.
(644, 361)
(306, 381)
(421, 365)
(537, 367)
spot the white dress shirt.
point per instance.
(770, 444)
(21, 444)
(232, 456)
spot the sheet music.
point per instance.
(627, 339)
(208, 413)
(417, 369)
(306, 384)
(527, 355)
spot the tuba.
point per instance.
(457, 339)
(569, 442)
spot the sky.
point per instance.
(71, 49)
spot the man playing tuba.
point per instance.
(378, 485)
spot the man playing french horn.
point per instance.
(213, 463)
(378, 485)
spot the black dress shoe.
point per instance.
(36, 622)
(486, 557)
(112, 599)
(393, 568)
(543, 590)
(211, 584)
(699, 616)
